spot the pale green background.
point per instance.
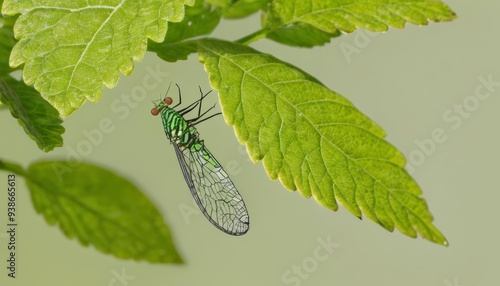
(405, 80)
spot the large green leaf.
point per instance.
(347, 15)
(102, 209)
(37, 117)
(314, 139)
(71, 48)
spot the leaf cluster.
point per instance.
(310, 137)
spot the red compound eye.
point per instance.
(155, 111)
(167, 100)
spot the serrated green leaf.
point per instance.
(37, 117)
(347, 15)
(201, 19)
(100, 208)
(71, 48)
(244, 8)
(314, 139)
(7, 42)
(301, 35)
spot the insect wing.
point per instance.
(213, 190)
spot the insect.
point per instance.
(210, 185)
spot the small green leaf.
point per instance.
(201, 19)
(314, 139)
(71, 48)
(347, 15)
(244, 8)
(37, 117)
(301, 35)
(220, 3)
(173, 52)
(102, 209)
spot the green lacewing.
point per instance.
(210, 185)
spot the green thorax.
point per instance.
(178, 130)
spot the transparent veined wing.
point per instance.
(213, 190)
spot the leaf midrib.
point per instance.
(90, 43)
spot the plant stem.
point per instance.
(12, 167)
(253, 36)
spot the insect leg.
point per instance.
(193, 105)
(194, 123)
